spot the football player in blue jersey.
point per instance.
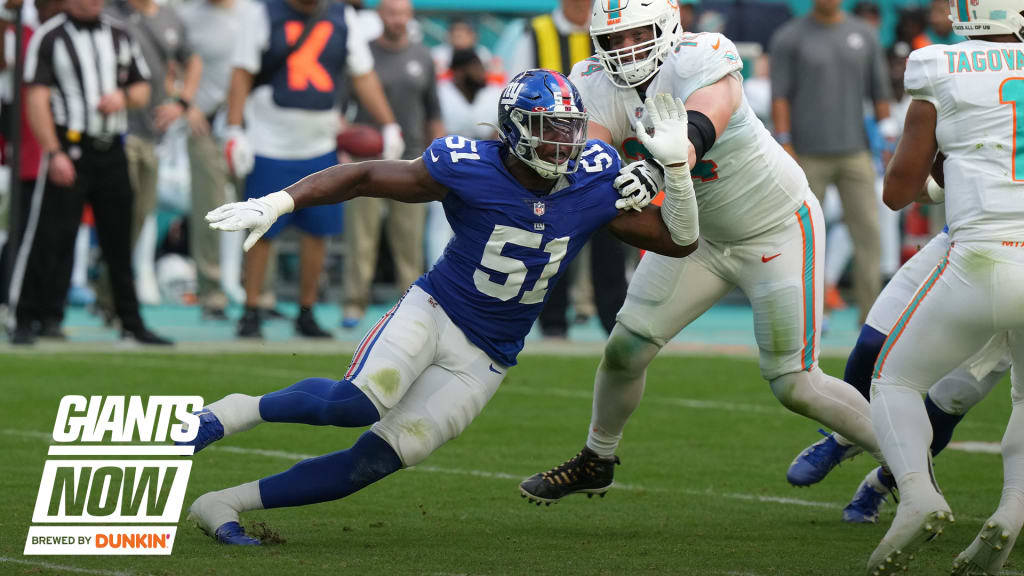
(521, 208)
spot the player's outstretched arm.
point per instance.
(914, 157)
(402, 180)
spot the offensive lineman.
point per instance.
(761, 230)
(521, 209)
(969, 105)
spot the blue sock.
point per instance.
(321, 402)
(331, 476)
(943, 424)
(861, 363)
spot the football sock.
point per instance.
(232, 501)
(831, 402)
(320, 402)
(618, 388)
(904, 433)
(943, 424)
(1011, 505)
(237, 412)
(331, 476)
(861, 362)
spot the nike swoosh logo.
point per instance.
(493, 370)
(770, 258)
(717, 44)
(433, 157)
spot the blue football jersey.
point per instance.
(511, 244)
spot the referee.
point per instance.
(81, 71)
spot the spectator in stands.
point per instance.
(940, 27)
(461, 36)
(161, 35)
(806, 91)
(292, 121)
(868, 12)
(407, 75)
(910, 28)
(467, 100)
(214, 27)
(688, 15)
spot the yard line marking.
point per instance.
(977, 447)
(64, 567)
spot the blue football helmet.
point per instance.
(542, 120)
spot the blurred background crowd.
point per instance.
(441, 65)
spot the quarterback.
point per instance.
(521, 209)
(761, 231)
(967, 106)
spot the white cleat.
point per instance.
(914, 525)
(987, 554)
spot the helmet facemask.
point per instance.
(633, 65)
(550, 142)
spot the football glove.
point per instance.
(237, 151)
(256, 215)
(638, 183)
(670, 143)
(394, 145)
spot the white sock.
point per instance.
(830, 401)
(902, 427)
(618, 388)
(842, 440)
(225, 505)
(237, 412)
(1011, 506)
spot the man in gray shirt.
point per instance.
(213, 26)
(824, 67)
(406, 72)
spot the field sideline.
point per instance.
(701, 491)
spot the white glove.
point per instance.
(256, 215)
(237, 151)
(671, 141)
(394, 145)
(638, 183)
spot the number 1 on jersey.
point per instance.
(1011, 92)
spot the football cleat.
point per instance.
(210, 506)
(987, 554)
(814, 463)
(210, 430)
(919, 519)
(863, 509)
(584, 473)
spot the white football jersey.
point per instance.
(978, 92)
(746, 184)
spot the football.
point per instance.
(361, 141)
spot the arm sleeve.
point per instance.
(438, 160)
(782, 65)
(360, 59)
(248, 54)
(918, 77)
(39, 60)
(138, 71)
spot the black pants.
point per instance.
(42, 268)
(608, 270)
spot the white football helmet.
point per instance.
(632, 66)
(987, 17)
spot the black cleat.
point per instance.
(23, 336)
(305, 325)
(144, 336)
(584, 473)
(249, 324)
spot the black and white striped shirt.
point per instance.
(81, 62)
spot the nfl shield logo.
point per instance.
(538, 208)
(639, 112)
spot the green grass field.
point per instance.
(701, 489)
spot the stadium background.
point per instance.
(702, 489)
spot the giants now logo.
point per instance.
(109, 491)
